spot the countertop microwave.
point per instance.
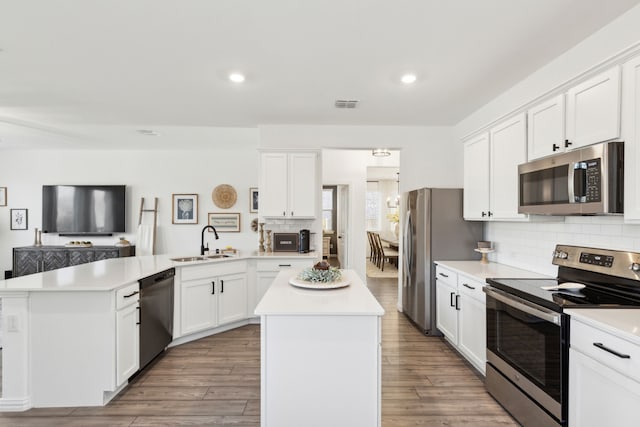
(585, 181)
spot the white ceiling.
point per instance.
(65, 64)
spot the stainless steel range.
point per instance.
(528, 332)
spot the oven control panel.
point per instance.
(595, 259)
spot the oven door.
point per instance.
(528, 345)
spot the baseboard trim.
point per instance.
(15, 405)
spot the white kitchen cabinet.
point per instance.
(593, 110)
(127, 333)
(212, 295)
(604, 388)
(268, 269)
(446, 300)
(461, 314)
(288, 184)
(546, 128)
(476, 178)
(631, 137)
(508, 142)
(491, 172)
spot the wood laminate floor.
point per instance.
(216, 381)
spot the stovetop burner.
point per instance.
(611, 279)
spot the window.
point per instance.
(327, 208)
(372, 206)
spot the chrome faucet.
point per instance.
(202, 237)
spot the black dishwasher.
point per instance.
(156, 314)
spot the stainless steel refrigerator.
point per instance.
(433, 230)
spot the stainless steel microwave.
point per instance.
(586, 181)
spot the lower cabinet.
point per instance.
(212, 295)
(461, 314)
(604, 387)
(36, 259)
(127, 332)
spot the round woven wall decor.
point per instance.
(224, 196)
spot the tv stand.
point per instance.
(36, 259)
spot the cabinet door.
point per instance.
(600, 396)
(303, 189)
(128, 343)
(446, 313)
(264, 280)
(26, 261)
(631, 135)
(100, 254)
(232, 298)
(273, 185)
(593, 110)
(472, 331)
(476, 178)
(80, 256)
(53, 259)
(546, 128)
(199, 299)
(508, 150)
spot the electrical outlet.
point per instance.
(12, 323)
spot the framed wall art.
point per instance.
(225, 222)
(19, 219)
(3, 196)
(253, 200)
(185, 209)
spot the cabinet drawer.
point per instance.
(283, 263)
(212, 269)
(446, 275)
(471, 287)
(584, 337)
(128, 295)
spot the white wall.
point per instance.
(147, 174)
(529, 245)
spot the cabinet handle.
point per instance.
(213, 288)
(451, 299)
(607, 349)
(132, 294)
(291, 213)
(284, 265)
(139, 316)
(567, 143)
(458, 302)
(443, 275)
(467, 286)
(284, 213)
(483, 214)
(555, 147)
(490, 213)
(221, 286)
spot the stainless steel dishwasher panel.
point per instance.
(156, 315)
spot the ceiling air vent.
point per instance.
(346, 103)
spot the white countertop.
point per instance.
(483, 271)
(110, 274)
(622, 322)
(284, 299)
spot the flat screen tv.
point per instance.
(83, 209)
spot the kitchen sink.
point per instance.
(201, 258)
(189, 258)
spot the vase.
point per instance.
(396, 230)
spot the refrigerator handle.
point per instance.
(408, 243)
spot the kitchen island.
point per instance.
(320, 355)
(70, 336)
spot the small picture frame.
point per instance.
(253, 200)
(185, 209)
(227, 222)
(19, 219)
(3, 196)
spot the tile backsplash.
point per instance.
(530, 245)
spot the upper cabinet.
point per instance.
(546, 126)
(491, 171)
(288, 184)
(593, 110)
(631, 136)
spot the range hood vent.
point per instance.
(344, 103)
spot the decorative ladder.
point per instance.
(155, 220)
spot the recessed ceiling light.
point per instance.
(148, 132)
(236, 77)
(408, 79)
(381, 152)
